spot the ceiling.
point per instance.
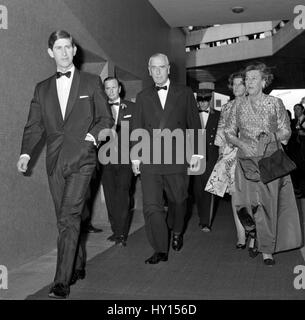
(288, 64)
(182, 13)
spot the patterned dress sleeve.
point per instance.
(220, 139)
(283, 132)
(230, 128)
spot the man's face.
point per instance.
(63, 53)
(159, 70)
(297, 111)
(203, 105)
(112, 89)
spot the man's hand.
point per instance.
(22, 164)
(136, 167)
(195, 163)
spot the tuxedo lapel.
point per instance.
(73, 93)
(121, 113)
(156, 103)
(53, 107)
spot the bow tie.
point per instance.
(114, 103)
(203, 111)
(160, 88)
(59, 74)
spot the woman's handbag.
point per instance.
(277, 165)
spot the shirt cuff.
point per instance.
(89, 137)
(24, 155)
(198, 156)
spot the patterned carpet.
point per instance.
(208, 267)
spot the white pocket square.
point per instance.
(127, 116)
(82, 97)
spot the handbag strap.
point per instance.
(277, 144)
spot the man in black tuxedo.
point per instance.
(70, 109)
(205, 200)
(117, 177)
(164, 107)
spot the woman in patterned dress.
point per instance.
(223, 174)
(269, 211)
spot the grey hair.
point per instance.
(164, 56)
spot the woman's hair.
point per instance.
(263, 69)
(235, 75)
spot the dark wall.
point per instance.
(125, 32)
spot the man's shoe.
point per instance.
(91, 229)
(59, 291)
(112, 238)
(204, 228)
(241, 246)
(77, 275)
(269, 262)
(177, 242)
(157, 257)
(121, 241)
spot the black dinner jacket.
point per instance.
(86, 112)
(180, 112)
(125, 118)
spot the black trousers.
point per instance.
(156, 224)
(116, 180)
(69, 195)
(203, 199)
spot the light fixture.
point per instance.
(238, 9)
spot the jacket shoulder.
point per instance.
(45, 82)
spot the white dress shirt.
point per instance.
(115, 110)
(163, 93)
(63, 85)
(204, 117)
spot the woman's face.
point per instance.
(254, 82)
(238, 87)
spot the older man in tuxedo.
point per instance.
(172, 108)
(69, 108)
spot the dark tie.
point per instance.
(160, 88)
(114, 103)
(59, 74)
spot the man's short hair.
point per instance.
(59, 34)
(158, 55)
(204, 99)
(112, 78)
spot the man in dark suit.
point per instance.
(160, 108)
(204, 200)
(117, 177)
(69, 108)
